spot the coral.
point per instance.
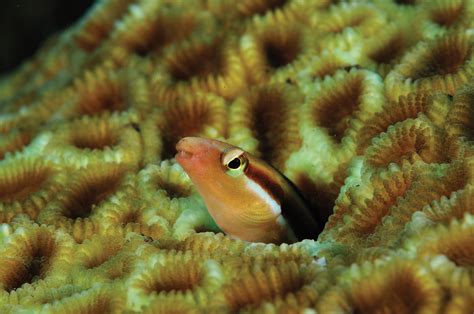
(443, 64)
(276, 104)
(393, 287)
(367, 106)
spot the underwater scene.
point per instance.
(251, 156)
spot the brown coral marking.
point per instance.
(455, 179)
(100, 138)
(334, 111)
(400, 294)
(105, 96)
(460, 251)
(100, 23)
(34, 265)
(192, 116)
(181, 277)
(15, 143)
(384, 198)
(88, 196)
(103, 256)
(269, 106)
(254, 7)
(445, 57)
(23, 184)
(197, 61)
(455, 243)
(282, 48)
(119, 273)
(430, 189)
(131, 217)
(458, 204)
(405, 143)
(447, 16)
(390, 50)
(460, 121)
(407, 107)
(153, 37)
(101, 305)
(254, 287)
(95, 302)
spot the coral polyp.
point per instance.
(367, 106)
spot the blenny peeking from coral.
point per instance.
(366, 106)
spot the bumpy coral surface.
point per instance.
(368, 107)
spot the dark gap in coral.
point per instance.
(389, 51)
(192, 118)
(280, 52)
(163, 32)
(199, 61)
(400, 295)
(131, 217)
(447, 17)
(173, 190)
(111, 103)
(320, 198)
(406, 2)
(268, 122)
(107, 98)
(335, 111)
(91, 195)
(202, 229)
(154, 42)
(444, 59)
(33, 269)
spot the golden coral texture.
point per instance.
(367, 106)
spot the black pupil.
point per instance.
(234, 163)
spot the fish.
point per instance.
(247, 198)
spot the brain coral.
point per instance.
(368, 106)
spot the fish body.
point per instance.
(247, 198)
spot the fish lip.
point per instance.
(182, 152)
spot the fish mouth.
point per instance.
(182, 154)
(182, 151)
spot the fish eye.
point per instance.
(234, 163)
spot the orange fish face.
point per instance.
(201, 159)
(218, 170)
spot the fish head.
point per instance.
(212, 165)
(222, 175)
